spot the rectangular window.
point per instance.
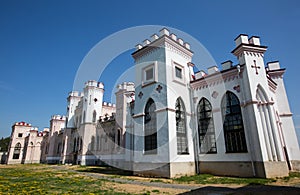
(178, 72)
(149, 74)
(20, 134)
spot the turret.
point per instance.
(57, 122)
(124, 95)
(73, 99)
(92, 103)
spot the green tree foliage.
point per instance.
(4, 144)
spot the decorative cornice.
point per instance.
(163, 41)
(216, 78)
(286, 114)
(249, 102)
(276, 73)
(272, 85)
(249, 48)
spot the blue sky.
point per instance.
(42, 44)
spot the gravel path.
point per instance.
(201, 189)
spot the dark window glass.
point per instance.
(206, 127)
(150, 128)
(234, 134)
(182, 143)
(178, 72)
(17, 151)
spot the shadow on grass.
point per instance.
(106, 170)
(248, 189)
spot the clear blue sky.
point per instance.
(42, 44)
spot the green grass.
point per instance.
(210, 179)
(42, 179)
(292, 175)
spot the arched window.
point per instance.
(74, 145)
(94, 116)
(93, 143)
(150, 138)
(234, 134)
(80, 144)
(101, 143)
(206, 129)
(182, 143)
(98, 142)
(17, 151)
(83, 117)
(119, 137)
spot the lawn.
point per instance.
(44, 179)
(56, 179)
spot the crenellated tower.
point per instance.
(162, 109)
(92, 101)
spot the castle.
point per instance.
(172, 121)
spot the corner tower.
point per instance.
(259, 105)
(162, 110)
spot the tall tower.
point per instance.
(92, 104)
(16, 146)
(259, 106)
(73, 99)
(91, 110)
(162, 110)
(124, 96)
(57, 123)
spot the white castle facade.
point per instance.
(172, 121)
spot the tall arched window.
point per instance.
(98, 142)
(119, 137)
(74, 145)
(150, 138)
(83, 117)
(206, 129)
(182, 143)
(80, 144)
(94, 116)
(93, 143)
(234, 134)
(17, 151)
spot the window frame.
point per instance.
(17, 151)
(231, 109)
(145, 81)
(176, 79)
(182, 135)
(206, 128)
(150, 128)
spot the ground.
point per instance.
(63, 179)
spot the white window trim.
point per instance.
(175, 78)
(155, 75)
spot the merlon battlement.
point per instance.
(163, 32)
(22, 123)
(108, 104)
(93, 83)
(58, 117)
